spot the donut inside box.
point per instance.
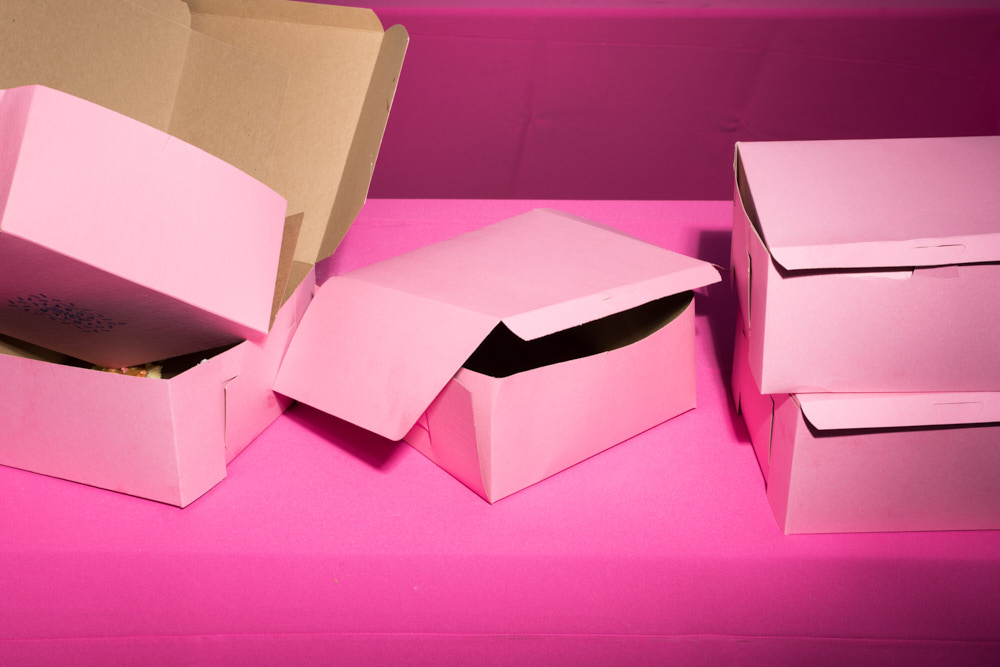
(288, 100)
(509, 353)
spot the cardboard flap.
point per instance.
(65, 46)
(353, 189)
(542, 272)
(303, 13)
(858, 411)
(344, 70)
(376, 356)
(142, 60)
(876, 203)
(378, 344)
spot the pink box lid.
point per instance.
(108, 204)
(378, 344)
(876, 203)
(896, 410)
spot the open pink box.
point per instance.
(163, 439)
(508, 353)
(872, 462)
(294, 94)
(869, 266)
(121, 245)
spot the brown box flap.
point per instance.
(344, 70)
(143, 60)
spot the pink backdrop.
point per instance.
(329, 545)
(643, 99)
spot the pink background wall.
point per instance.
(643, 99)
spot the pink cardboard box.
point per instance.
(163, 439)
(509, 353)
(122, 245)
(869, 266)
(295, 94)
(870, 462)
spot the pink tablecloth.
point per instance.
(643, 99)
(328, 545)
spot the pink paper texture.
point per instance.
(158, 439)
(857, 469)
(869, 266)
(395, 333)
(161, 439)
(122, 245)
(500, 435)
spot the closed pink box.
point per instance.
(122, 245)
(508, 353)
(869, 265)
(162, 439)
(871, 462)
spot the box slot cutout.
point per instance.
(503, 353)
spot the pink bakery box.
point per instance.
(871, 462)
(166, 439)
(120, 244)
(869, 265)
(509, 353)
(170, 439)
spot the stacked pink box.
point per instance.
(866, 366)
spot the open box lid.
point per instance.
(343, 69)
(828, 412)
(875, 203)
(379, 343)
(294, 94)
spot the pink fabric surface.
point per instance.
(644, 99)
(329, 543)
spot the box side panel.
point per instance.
(551, 418)
(883, 331)
(753, 271)
(779, 479)
(198, 404)
(739, 262)
(110, 431)
(757, 409)
(895, 480)
(14, 108)
(446, 434)
(251, 403)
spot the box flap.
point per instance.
(343, 77)
(541, 272)
(875, 203)
(213, 95)
(295, 94)
(863, 411)
(393, 333)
